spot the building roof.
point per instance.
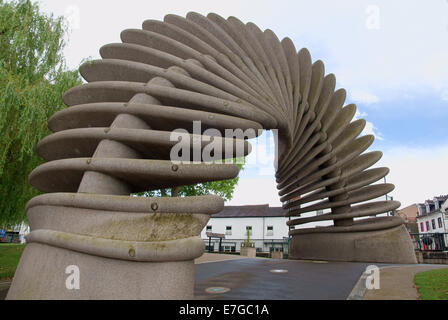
(429, 213)
(262, 210)
(439, 198)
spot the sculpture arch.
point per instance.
(114, 139)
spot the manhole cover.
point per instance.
(217, 290)
(279, 271)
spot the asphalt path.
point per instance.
(254, 279)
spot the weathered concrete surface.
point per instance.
(100, 278)
(397, 283)
(384, 246)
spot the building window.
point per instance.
(209, 229)
(427, 226)
(248, 230)
(422, 228)
(229, 248)
(439, 220)
(229, 230)
(433, 224)
(270, 231)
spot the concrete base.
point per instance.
(277, 255)
(384, 246)
(249, 252)
(41, 274)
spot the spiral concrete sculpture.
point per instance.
(114, 140)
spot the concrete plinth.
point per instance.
(384, 246)
(248, 252)
(277, 255)
(128, 253)
(41, 274)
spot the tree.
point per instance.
(33, 77)
(247, 241)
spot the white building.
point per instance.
(432, 218)
(267, 228)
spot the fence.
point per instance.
(234, 245)
(430, 241)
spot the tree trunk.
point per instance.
(175, 191)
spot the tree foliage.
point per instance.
(33, 77)
(222, 188)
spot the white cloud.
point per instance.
(435, 69)
(363, 96)
(262, 157)
(369, 128)
(359, 114)
(256, 191)
(418, 173)
(444, 95)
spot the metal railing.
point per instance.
(430, 241)
(262, 245)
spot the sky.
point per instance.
(390, 56)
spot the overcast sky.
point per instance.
(390, 56)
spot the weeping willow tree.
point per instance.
(33, 77)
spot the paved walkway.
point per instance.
(397, 283)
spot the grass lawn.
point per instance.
(433, 284)
(9, 258)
